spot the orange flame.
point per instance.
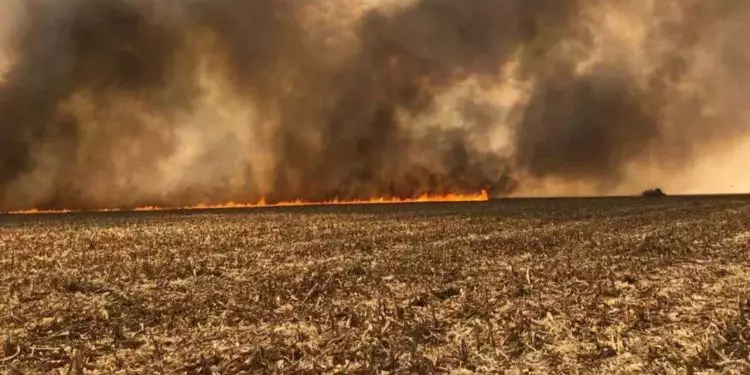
(424, 198)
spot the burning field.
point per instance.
(611, 285)
(200, 187)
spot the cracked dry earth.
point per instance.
(597, 286)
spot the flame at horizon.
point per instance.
(424, 198)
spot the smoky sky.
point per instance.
(125, 103)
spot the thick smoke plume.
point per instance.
(123, 103)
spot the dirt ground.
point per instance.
(600, 286)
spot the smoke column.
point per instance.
(125, 103)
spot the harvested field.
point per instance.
(616, 286)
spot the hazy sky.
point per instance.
(135, 102)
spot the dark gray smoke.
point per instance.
(670, 104)
(123, 103)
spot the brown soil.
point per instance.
(617, 286)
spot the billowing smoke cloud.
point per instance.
(655, 84)
(122, 103)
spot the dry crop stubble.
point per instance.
(549, 286)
